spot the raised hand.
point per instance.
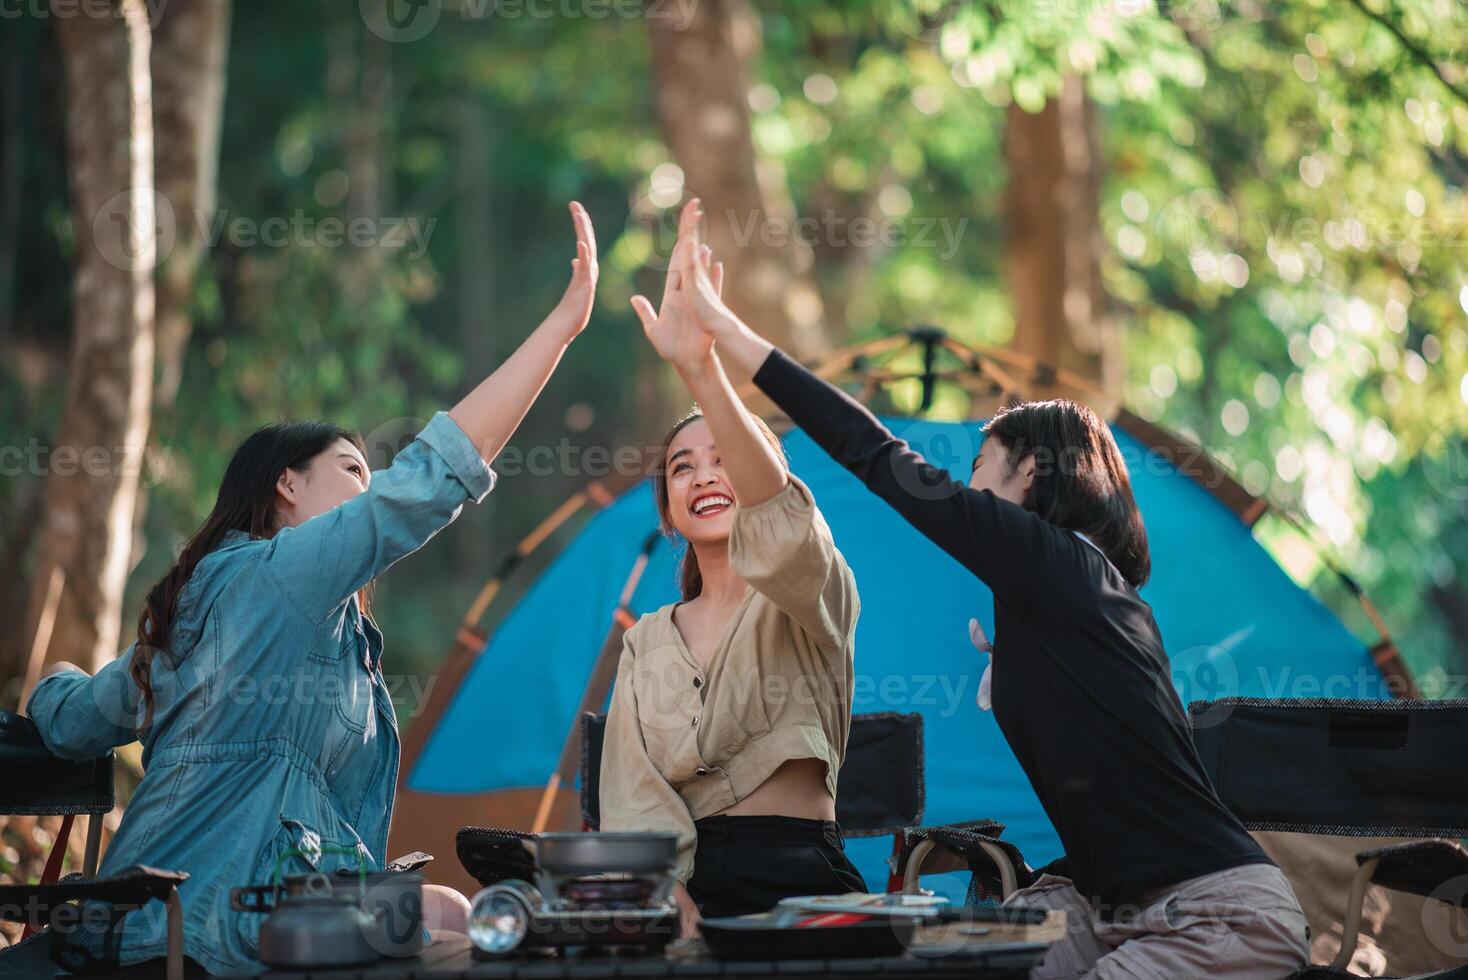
(700, 290)
(673, 329)
(574, 310)
(490, 413)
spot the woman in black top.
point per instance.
(1165, 882)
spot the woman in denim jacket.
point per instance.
(256, 685)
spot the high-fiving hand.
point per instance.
(674, 328)
(694, 317)
(574, 310)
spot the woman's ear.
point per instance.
(285, 486)
(1025, 473)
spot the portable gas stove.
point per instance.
(606, 890)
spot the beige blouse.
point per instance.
(683, 743)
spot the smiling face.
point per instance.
(701, 503)
(333, 477)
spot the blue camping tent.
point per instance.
(1233, 621)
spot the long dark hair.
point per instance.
(1081, 481)
(690, 578)
(246, 502)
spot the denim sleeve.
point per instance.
(320, 563)
(81, 716)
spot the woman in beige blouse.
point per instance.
(731, 710)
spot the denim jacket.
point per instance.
(273, 729)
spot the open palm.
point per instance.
(574, 309)
(674, 329)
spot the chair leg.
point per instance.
(894, 880)
(1355, 901)
(175, 936)
(94, 845)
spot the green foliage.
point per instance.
(1283, 209)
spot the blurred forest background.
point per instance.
(1245, 219)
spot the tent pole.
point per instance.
(603, 673)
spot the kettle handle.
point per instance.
(297, 852)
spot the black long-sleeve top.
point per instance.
(1081, 685)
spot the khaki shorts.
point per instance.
(1239, 924)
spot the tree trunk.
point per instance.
(91, 483)
(1055, 241)
(190, 46)
(702, 51)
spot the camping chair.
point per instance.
(38, 783)
(881, 782)
(1349, 768)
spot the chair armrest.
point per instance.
(38, 783)
(1420, 867)
(491, 854)
(964, 846)
(130, 887)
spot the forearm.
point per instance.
(80, 716)
(754, 470)
(835, 421)
(739, 345)
(490, 414)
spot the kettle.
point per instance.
(314, 924)
(317, 930)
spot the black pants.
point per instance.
(748, 864)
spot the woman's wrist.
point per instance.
(744, 348)
(699, 371)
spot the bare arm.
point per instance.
(491, 412)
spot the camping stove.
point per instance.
(589, 910)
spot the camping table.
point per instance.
(449, 959)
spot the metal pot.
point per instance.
(393, 900)
(328, 930)
(572, 855)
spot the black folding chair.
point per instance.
(881, 793)
(1349, 768)
(38, 783)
